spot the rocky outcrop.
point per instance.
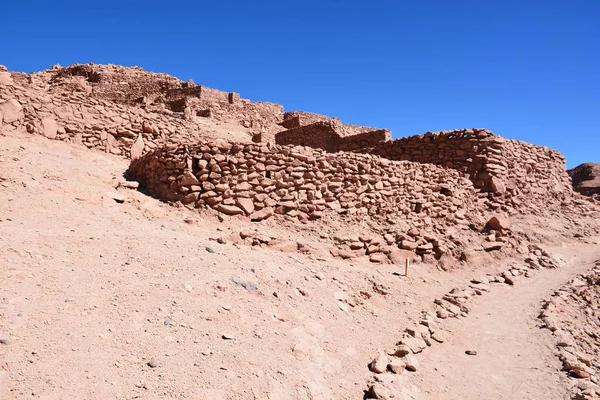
(586, 179)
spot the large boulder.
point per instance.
(11, 111)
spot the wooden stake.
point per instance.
(406, 267)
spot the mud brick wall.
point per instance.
(300, 182)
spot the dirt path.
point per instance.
(515, 358)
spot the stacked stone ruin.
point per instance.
(300, 165)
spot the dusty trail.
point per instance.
(515, 358)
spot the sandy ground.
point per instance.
(101, 300)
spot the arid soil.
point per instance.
(102, 299)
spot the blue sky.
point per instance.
(527, 70)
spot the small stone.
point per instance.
(5, 341)
(579, 373)
(229, 209)
(402, 351)
(379, 364)
(116, 196)
(416, 345)
(397, 365)
(471, 352)
(411, 363)
(248, 285)
(499, 224)
(378, 258)
(227, 336)
(152, 363)
(265, 213)
(129, 184)
(491, 246)
(210, 250)
(440, 336)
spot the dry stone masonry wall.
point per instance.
(494, 164)
(298, 181)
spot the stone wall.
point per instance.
(494, 164)
(61, 104)
(296, 119)
(300, 182)
(327, 135)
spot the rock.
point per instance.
(247, 205)
(265, 213)
(5, 341)
(49, 128)
(379, 364)
(378, 258)
(579, 373)
(210, 250)
(11, 111)
(491, 246)
(440, 336)
(116, 196)
(397, 365)
(471, 352)
(229, 209)
(380, 391)
(499, 224)
(248, 285)
(416, 345)
(247, 234)
(137, 149)
(188, 179)
(509, 280)
(152, 363)
(129, 184)
(409, 245)
(147, 127)
(442, 314)
(402, 350)
(497, 185)
(411, 363)
(227, 336)
(400, 256)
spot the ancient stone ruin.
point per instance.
(210, 149)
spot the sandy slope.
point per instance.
(93, 290)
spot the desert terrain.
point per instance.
(163, 240)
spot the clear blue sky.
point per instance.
(527, 69)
